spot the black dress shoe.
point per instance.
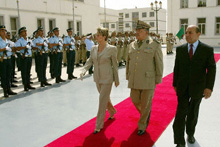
(13, 85)
(180, 145)
(61, 80)
(14, 81)
(30, 87)
(191, 139)
(42, 84)
(5, 92)
(47, 84)
(57, 80)
(31, 82)
(73, 77)
(96, 131)
(141, 132)
(10, 92)
(70, 77)
(26, 88)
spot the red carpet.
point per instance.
(122, 131)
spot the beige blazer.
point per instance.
(105, 64)
(144, 68)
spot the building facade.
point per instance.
(203, 13)
(50, 14)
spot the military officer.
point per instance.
(89, 44)
(69, 45)
(113, 38)
(126, 43)
(24, 45)
(5, 63)
(42, 45)
(144, 69)
(56, 44)
(84, 51)
(50, 53)
(119, 48)
(170, 42)
(77, 45)
(36, 57)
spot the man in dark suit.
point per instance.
(194, 77)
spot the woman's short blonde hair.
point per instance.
(103, 32)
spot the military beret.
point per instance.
(21, 29)
(70, 29)
(142, 25)
(55, 29)
(39, 29)
(2, 27)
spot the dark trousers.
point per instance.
(88, 55)
(13, 66)
(26, 63)
(70, 61)
(51, 56)
(5, 73)
(18, 61)
(42, 66)
(58, 64)
(186, 117)
(36, 57)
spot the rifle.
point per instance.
(43, 48)
(4, 53)
(25, 50)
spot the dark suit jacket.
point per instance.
(193, 76)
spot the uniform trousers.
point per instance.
(70, 61)
(77, 56)
(186, 117)
(42, 66)
(58, 64)
(119, 48)
(142, 100)
(5, 73)
(18, 61)
(12, 67)
(51, 56)
(84, 57)
(65, 56)
(88, 55)
(26, 63)
(104, 103)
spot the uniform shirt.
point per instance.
(56, 39)
(41, 40)
(22, 43)
(89, 44)
(69, 40)
(3, 44)
(34, 44)
(195, 44)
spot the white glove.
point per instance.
(45, 44)
(60, 44)
(28, 46)
(8, 49)
(72, 43)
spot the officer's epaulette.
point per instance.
(156, 41)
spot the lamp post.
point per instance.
(73, 17)
(105, 13)
(19, 21)
(156, 9)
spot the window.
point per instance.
(14, 25)
(80, 0)
(144, 14)
(1, 20)
(135, 15)
(184, 23)
(151, 14)
(127, 15)
(217, 28)
(127, 25)
(218, 2)
(40, 22)
(201, 3)
(52, 24)
(183, 3)
(106, 25)
(112, 25)
(152, 24)
(79, 28)
(70, 24)
(201, 25)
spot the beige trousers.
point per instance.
(119, 53)
(104, 103)
(142, 100)
(77, 56)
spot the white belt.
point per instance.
(7, 58)
(59, 51)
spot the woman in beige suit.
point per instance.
(104, 58)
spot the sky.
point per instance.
(122, 4)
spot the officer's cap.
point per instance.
(142, 25)
(8, 33)
(2, 27)
(40, 29)
(55, 29)
(70, 29)
(89, 35)
(21, 29)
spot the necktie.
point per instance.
(191, 51)
(140, 43)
